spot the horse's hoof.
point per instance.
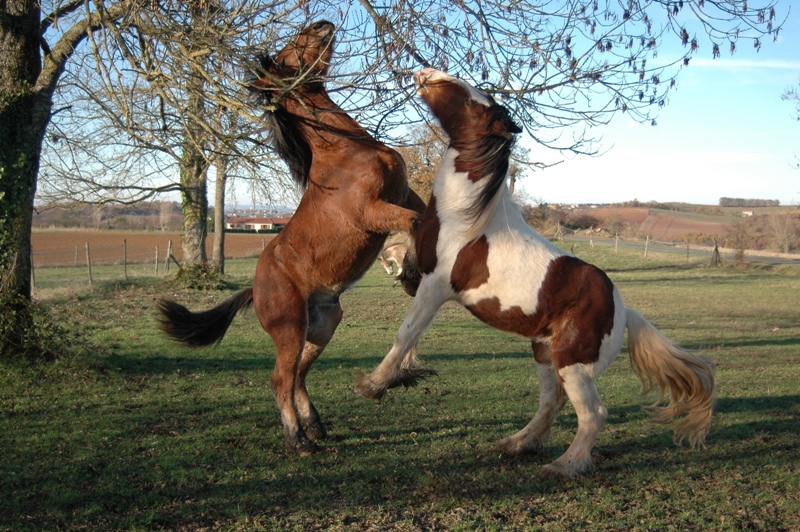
(316, 432)
(306, 448)
(365, 388)
(511, 447)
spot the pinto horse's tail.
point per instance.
(688, 378)
(198, 329)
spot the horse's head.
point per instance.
(303, 62)
(461, 109)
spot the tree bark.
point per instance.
(194, 166)
(23, 120)
(218, 256)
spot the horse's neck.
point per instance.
(453, 189)
(322, 122)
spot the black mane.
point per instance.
(291, 146)
(488, 155)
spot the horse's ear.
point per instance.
(504, 125)
(266, 62)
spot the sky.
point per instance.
(724, 133)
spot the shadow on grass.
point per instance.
(183, 473)
(159, 365)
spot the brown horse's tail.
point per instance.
(688, 378)
(198, 329)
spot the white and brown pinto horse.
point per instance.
(356, 193)
(474, 247)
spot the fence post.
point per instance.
(646, 245)
(89, 265)
(616, 242)
(687, 250)
(76, 255)
(125, 257)
(156, 260)
(166, 261)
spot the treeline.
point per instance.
(742, 202)
(146, 216)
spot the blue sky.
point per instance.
(725, 133)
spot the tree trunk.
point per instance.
(23, 119)
(194, 166)
(194, 205)
(218, 256)
(194, 169)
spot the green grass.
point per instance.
(136, 433)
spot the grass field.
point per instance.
(137, 433)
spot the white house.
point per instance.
(256, 224)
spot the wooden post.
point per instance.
(716, 258)
(591, 237)
(166, 261)
(687, 250)
(125, 257)
(616, 242)
(646, 245)
(76, 255)
(156, 260)
(263, 244)
(89, 265)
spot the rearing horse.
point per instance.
(356, 192)
(474, 247)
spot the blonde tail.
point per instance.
(688, 378)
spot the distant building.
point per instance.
(256, 224)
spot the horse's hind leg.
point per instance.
(323, 320)
(582, 391)
(533, 437)
(282, 311)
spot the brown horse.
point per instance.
(356, 192)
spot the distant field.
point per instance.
(666, 225)
(58, 247)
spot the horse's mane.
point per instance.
(487, 155)
(291, 146)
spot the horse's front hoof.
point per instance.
(366, 388)
(558, 471)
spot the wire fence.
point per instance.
(75, 260)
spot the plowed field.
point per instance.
(68, 248)
(665, 225)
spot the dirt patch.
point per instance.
(68, 248)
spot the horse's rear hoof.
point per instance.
(316, 432)
(306, 448)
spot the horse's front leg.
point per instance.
(384, 217)
(401, 366)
